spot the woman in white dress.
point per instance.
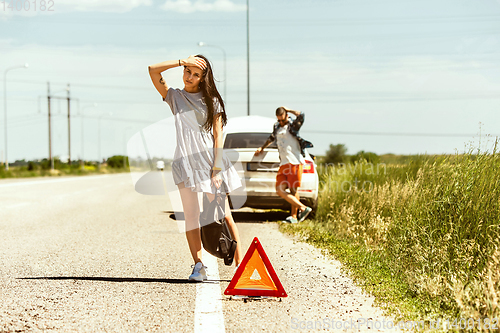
(199, 163)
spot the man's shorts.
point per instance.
(291, 174)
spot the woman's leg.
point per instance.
(238, 256)
(191, 215)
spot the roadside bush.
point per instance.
(336, 154)
(58, 165)
(32, 169)
(118, 162)
(366, 156)
(89, 167)
(32, 166)
(45, 164)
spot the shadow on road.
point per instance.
(113, 279)
(254, 217)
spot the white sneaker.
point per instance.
(199, 272)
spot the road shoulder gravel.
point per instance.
(319, 293)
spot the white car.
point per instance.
(244, 135)
(160, 165)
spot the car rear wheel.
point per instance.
(314, 205)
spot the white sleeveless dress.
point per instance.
(193, 157)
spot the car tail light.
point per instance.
(308, 167)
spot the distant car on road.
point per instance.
(245, 135)
(160, 165)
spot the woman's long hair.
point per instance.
(211, 96)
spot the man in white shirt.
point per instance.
(291, 151)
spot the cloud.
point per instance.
(119, 6)
(190, 6)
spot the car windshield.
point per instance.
(247, 140)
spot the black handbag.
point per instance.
(215, 235)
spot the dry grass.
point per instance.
(435, 219)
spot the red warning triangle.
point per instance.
(255, 276)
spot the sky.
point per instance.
(386, 76)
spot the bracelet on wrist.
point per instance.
(216, 169)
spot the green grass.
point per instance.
(371, 270)
(23, 172)
(113, 164)
(422, 236)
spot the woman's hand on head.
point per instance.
(195, 61)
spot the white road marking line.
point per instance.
(36, 182)
(208, 316)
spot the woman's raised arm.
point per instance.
(156, 70)
(155, 74)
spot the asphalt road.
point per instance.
(89, 254)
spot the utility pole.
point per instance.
(248, 59)
(50, 129)
(68, 99)
(69, 130)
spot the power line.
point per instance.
(396, 134)
(29, 120)
(93, 101)
(335, 97)
(330, 21)
(378, 21)
(374, 100)
(119, 87)
(144, 121)
(32, 122)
